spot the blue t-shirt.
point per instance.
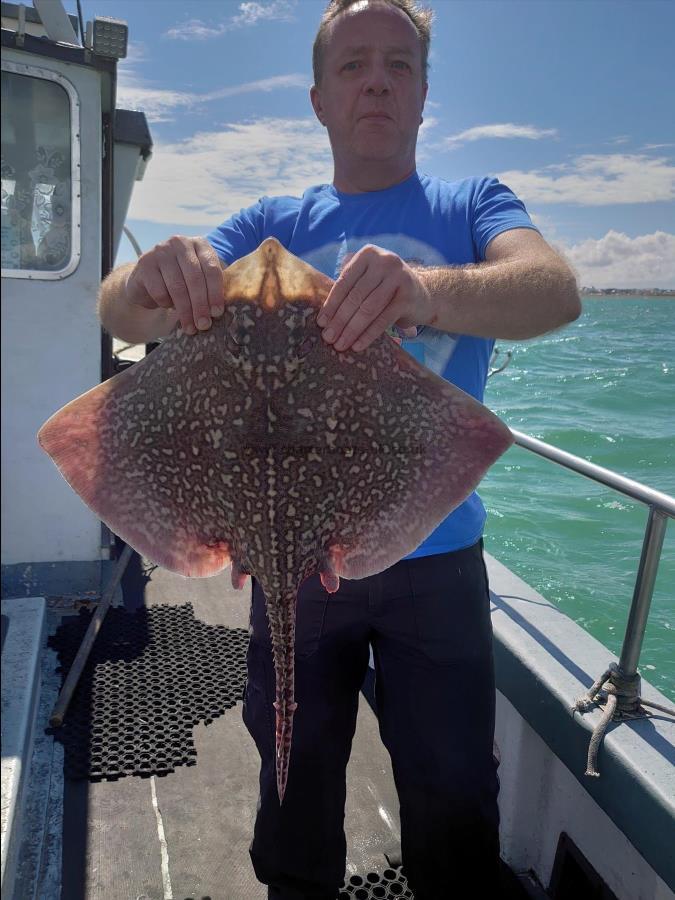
(424, 220)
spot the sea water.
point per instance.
(602, 388)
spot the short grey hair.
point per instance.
(420, 16)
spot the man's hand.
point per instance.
(375, 289)
(183, 274)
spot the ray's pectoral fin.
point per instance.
(431, 470)
(119, 475)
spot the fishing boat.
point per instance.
(142, 782)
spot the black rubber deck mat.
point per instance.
(151, 676)
(389, 885)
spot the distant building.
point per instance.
(627, 292)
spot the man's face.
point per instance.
(372, 90)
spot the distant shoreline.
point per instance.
(627, 292)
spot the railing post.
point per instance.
(642, 595)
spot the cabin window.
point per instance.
(37, 185)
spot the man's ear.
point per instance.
(315, 98)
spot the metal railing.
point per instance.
(661, 507)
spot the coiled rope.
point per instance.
(621, 695)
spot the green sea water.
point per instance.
(602, 388)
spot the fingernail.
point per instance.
(190, 329)
(203, 322)
(322, 320)
(341, 344)
(217, 311)
(328, 334)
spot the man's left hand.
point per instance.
(375, 289)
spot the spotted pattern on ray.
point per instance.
(258, 444)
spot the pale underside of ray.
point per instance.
(257, 444)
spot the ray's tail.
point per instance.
(281, 617)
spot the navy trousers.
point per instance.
(428, 622)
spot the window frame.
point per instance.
(33, 71)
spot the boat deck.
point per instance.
(186, 834)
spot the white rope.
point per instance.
(166, 877)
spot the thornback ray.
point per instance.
(257, 444)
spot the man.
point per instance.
(458, 265)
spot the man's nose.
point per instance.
(377, 80)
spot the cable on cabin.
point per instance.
(621, 694)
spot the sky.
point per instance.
(571, 103)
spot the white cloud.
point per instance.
(200, 181)
(506, 131)
(657, 146)
(158, 105)
(250, 13)
(596, 180)
(196, 30)
(274, 83)
(546, 224)
(428, 123)
(426, 143)
(136, 52)
(616, 260)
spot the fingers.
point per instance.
(212, 269)
(183, 274)
(354, 267)
(177, 290)
(365, 299)
(188, 289)
(361, 299)
(372, 318)
(385, 320)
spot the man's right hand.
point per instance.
(183, 274)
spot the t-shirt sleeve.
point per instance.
(495, 209)
(240, 234)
